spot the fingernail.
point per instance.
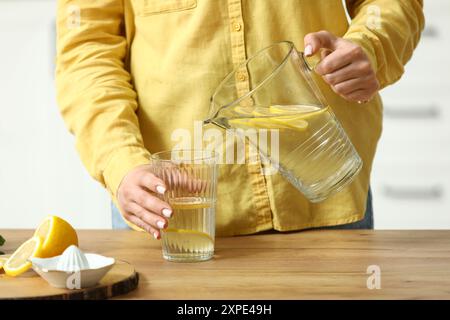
(160, 189)
(167, 213)
(161, 224)
(155, 235)
(308, 50)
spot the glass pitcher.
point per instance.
(274, 91)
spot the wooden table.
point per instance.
(304, 265)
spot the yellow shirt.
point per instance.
(130, 72)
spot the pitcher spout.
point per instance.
(216, 123)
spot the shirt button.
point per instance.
(241, 76)
(237, 26)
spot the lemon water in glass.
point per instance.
(191, 178)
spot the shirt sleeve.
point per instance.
(388, 31)
(94, 90)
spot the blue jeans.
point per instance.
(366, 223)
(117, 220)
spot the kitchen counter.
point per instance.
(301, 265)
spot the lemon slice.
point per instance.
(258, 123)
(283, 109)
(302, 111)
(293, 122)
(240, 122)
(265, 123)
(243, 110)
(18, 263)
(280, 123)
(56, 235)
(185, 240)
(262, 112)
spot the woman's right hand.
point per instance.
(139, 204)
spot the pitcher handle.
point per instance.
(308, 65)
(312, 61)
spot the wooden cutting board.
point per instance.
(121, 279)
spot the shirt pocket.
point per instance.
(144, 8)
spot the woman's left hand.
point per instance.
(347, 69)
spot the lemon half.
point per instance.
(56, 235)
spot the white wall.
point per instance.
(411, 177)
(40, 172)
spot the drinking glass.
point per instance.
(191, 180)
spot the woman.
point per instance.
(131, 72)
